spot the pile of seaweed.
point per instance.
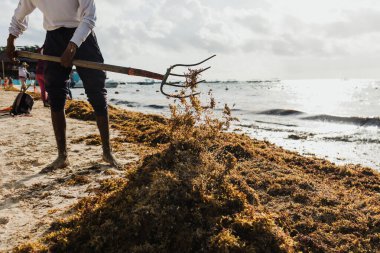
(206, 190)
(11, 88)
(134, 127)
(35, 95)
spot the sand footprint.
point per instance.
(4, 220)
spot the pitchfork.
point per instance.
(134, 72)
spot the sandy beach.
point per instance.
(30, 201)
(192, 188)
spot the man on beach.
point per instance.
(69, 26)
(23, 75)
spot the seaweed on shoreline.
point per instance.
(204, 190)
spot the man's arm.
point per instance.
(11, 47)
(87, 11)
(19, 24)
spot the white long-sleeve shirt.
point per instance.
(22, 72)
(80, 14)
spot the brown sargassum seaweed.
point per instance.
(205, 190)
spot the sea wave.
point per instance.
(360, 121)
(351, 139)
(124, 103)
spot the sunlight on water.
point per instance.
(333, 119)
(320, 97)
(333, 97)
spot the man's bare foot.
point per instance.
(59, 163)
(110, 158)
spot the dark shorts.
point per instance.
(55, 75)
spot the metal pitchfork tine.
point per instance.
(128, 71)
(178, 84)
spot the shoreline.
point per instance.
(340, 142)
(279, 197)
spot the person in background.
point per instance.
(70, 34)
(40, 78)
(69, 94)
(6, 82)
(10, 82)
(23, 75)
(72, 79)
(32, 78)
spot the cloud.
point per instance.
(354, 23)
(154, 33)
(178, 25)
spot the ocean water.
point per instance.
(334, 119)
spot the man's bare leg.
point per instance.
(23, 85)
(59, 126)
(103, 125)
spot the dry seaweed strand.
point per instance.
(205, 190)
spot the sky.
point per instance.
(253, 39)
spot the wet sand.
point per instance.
(30, 201)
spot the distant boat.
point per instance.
(146, 82)
(274, 80)
(230, 81)
(255, 81)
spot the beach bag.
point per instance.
(22, 105)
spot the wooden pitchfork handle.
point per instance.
(94, 65)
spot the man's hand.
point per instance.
(68, 56)
(11, 50)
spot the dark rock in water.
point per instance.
(116, 92)
(157, 91)
(156, 106)
(227, 89)
(339, 138)
(281, 112)
(137, 90)
(82, 94)
(297, 137)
